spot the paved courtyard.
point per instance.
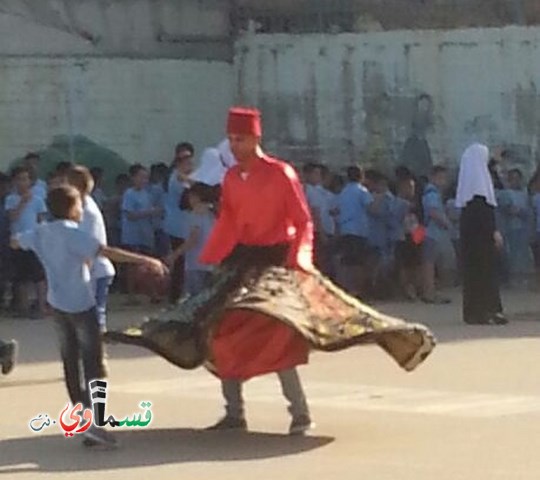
(471, 412)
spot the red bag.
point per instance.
(418, 235)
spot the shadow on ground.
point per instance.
(55, 453)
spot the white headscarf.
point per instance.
(474, 176)
(211, 170)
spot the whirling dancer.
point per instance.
(267, 305)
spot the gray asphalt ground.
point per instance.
(471, 412)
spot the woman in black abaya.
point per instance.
(480, 240)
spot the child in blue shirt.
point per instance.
(175, 220)
(535, 192)
(65, 251)
(138, 213)
(354, 204)
(518, 216)
(379, 238)
(25, 210)
(437, 249)
(408, 253)
(5, 186)
(138, 217)
(200, 223)
(158, 175)
(454, 215)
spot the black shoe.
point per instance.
(97, 437)
(300, 425)
(499, 319)
(436, 300)
(229, 423)
(9, 356)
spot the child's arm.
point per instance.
(118, 255)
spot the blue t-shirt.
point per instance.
(40, 189)
(380, 223)
(175, 220)
(432, 200)
(29, 217)
(519, 199)
(63, 250)
(454, 214)
(503, 202)
(353, 202)
(204, 223)
(400, 209)
(140, 232)
(157, 194)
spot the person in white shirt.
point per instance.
(102, 270)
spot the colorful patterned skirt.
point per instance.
(258, 317)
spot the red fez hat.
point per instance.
(244, 121)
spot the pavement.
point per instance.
(472, 411)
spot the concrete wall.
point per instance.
(138, 108)
(343, 97)
(197, 29)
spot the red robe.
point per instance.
(265, 208)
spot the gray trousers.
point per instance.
(290, 386)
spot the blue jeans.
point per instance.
(102, 294)
(80, 346)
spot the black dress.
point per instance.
(481, 297)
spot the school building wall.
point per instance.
(137, 77)
(138, 108)
(338, 98)
(133, 76)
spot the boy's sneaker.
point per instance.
(300, 425)
(97, 437)
(8, 356)
(229, 423)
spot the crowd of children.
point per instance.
(383, 237)
(157, 212)
(376, 236)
